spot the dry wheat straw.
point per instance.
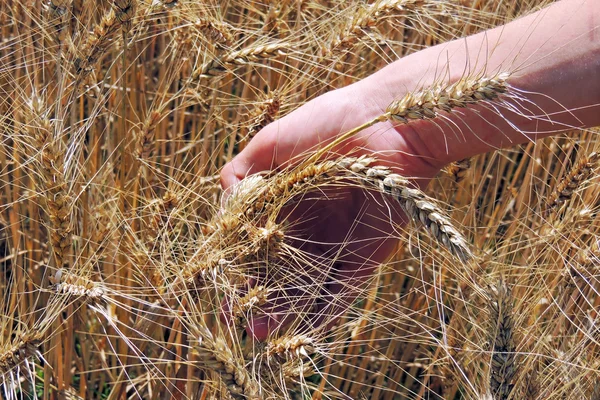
(254, 53)
(582, 170)
(504, 366)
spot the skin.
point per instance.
(553, 57)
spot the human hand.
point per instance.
(348, 229)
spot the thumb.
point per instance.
(258, 156)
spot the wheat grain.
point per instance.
(365, 19)
(97, 42)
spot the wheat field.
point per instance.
(126, 275)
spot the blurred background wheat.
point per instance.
(116, 264)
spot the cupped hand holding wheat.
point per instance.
(489, 91)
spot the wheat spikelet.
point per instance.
(581, 171)
(253, 53)
(427, 103)
(504, 366)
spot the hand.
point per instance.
(349, 231)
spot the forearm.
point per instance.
(553, 58)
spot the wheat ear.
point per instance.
(58, 14)
(569, 184)
(266, 113)
(459, 170)
(221, 64)
(504, 366)
(256, 297)
(58, 202)
(426, 104)
(22, 349)
(218, 33)
(365, 20)
(69, 284)
(416, 204)
(96, 44)
(215, 355)
(288, 348)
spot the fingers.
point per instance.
(310, 126)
